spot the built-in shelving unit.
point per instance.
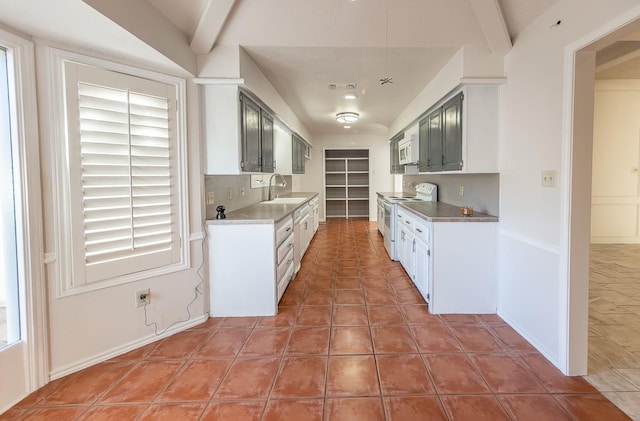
(346, 179)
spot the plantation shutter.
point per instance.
(126, 175)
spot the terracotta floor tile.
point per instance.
(552, 379)
(210, 324)
(319, 283)
(173, 412)
(224, 343)
(352, 376)
(401, 282)
(301, 377)
(461, 319)
(407, 408)
(349, 297)
(143, 382)
(379, 296)
(385, 315)
(474, 407)
(238, 322)
(347, 272)
(476, 338)
(137, 354)
(436, 338)
(454, 374)
(350, 340)
(298, 410)
(286, 317)
(511, 339)
(197, 381)
(506, 374)
(180, 345)
(409, 296)
(535, 408)
(347, 263)
(491, 319)
(394, 271)
(392, 339)
(45, 414)
(354, 409)
(248, 379)
(403, 374)
(348, 282)
(113, 412)
(264, 342)
(419, 315)
(314, 316)
(375, 281)
(317, 297)
(309, 340)
(591, 407)
(292, 297)
(245, 411)
(88, 385)
(350, 316)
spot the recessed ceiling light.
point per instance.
(350, 96)
(347, 127)
(347, 117)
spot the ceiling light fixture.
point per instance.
(347, 127)
(350, 96)
(386, 79)
(347, 117)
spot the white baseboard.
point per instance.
(88, 362)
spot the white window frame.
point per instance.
(69, 282)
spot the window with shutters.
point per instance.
(124, 178)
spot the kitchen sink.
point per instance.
(283, 201)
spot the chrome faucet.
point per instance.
(284, 184)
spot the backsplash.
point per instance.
(240, 191)
(482, 191)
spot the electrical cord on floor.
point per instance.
(197, 290)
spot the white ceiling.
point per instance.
(303, 45)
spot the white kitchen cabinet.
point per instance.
(303, 232)
(250, 266)
(454, 265)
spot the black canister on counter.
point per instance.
(220, 214)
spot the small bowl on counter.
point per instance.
(466, 211)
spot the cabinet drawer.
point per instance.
(283, 230)
(284, 265)
(422, 231)
(405, 220)
(284, 281)
(284, 248)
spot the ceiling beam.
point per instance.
(493, 25)
(150, 26)
(212, 20)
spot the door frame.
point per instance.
(577, 147)
(24, 127)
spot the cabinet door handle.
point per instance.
(408, 222)
(414, 245)
(290, 245)
(418, 229)
(288, 229)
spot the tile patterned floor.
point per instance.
(353, 341)
(614, 324)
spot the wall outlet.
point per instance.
(210, 198)
(461, 191)
(549, 178)
(229, 194)
(242, 191)
(143, 297)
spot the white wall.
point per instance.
(615, 205)
(536, 119)
(89, 327)
(380, 178)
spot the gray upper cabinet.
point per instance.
(452, 134)
(430, 142)
(257, 137)
(394, 155)
(267, 143)
(299, 149)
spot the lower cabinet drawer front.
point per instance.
(422, 231)
(284, 248)
(284, 230)
(284, 281)
(284, 265)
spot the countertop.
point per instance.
(262, 213)
(394, 194)
(444, 212)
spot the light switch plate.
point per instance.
(549, 178)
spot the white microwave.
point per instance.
(408, 151)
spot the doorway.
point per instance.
(587, 346)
